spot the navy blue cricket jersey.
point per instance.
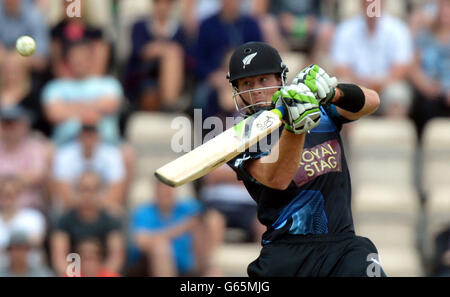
(318, 199)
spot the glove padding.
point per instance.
(319, 82)
(301, 108)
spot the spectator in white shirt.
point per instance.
(376, 52)
(89, 153)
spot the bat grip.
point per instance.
(279, 111)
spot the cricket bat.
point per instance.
(220, 149)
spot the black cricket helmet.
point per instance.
(253, 59)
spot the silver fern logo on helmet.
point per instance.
(247, 60)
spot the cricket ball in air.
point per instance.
(25, 45)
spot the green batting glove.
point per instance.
(301, 108)
(319, 82)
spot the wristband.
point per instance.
(352, 99)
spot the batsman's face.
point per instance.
(258, 89)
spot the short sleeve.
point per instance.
(111, 87)
(112, 224)
(237, 164)
(335, 117)
(36, 160)
(115, 170)
(191, 208)
(339, 48)
(63, 223)
(52, 92)
(64, 159)
(403, 45)
(143, 219)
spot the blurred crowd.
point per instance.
(66, 166)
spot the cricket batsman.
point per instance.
(304, 196)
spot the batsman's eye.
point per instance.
(247, 85)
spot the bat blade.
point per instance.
(220, 149)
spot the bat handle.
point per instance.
(279, 111)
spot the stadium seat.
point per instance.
(147, 164)
(387, 215)
(151, 136)
(348, 8)
(141, 192)
(373, 198)
(396, 8)
(382, 151)
(383, 133)
(400, 262)
(385, 232)
(152, 132)
(437, 216)
(129, 12)
(295, 62)
(233, 258)
(436, 154)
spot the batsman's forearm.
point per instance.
(278, 172)
(366, 105)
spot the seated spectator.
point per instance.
(72, 29)
(301, 23)
(23, 156)
(218, 35)
(87, 219)
(441, 261)
(430, 74)
(196, 11)
(17, 88)
(269, 24)
(82, 98)
(21, 17)
(228, 204)
(163, 234)
(19, 248)
(155, 73)
(421, 15)
(92, 259)
(88, 152)
(13, 219)
(376, 52)
(85, 99)
(219, 102)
